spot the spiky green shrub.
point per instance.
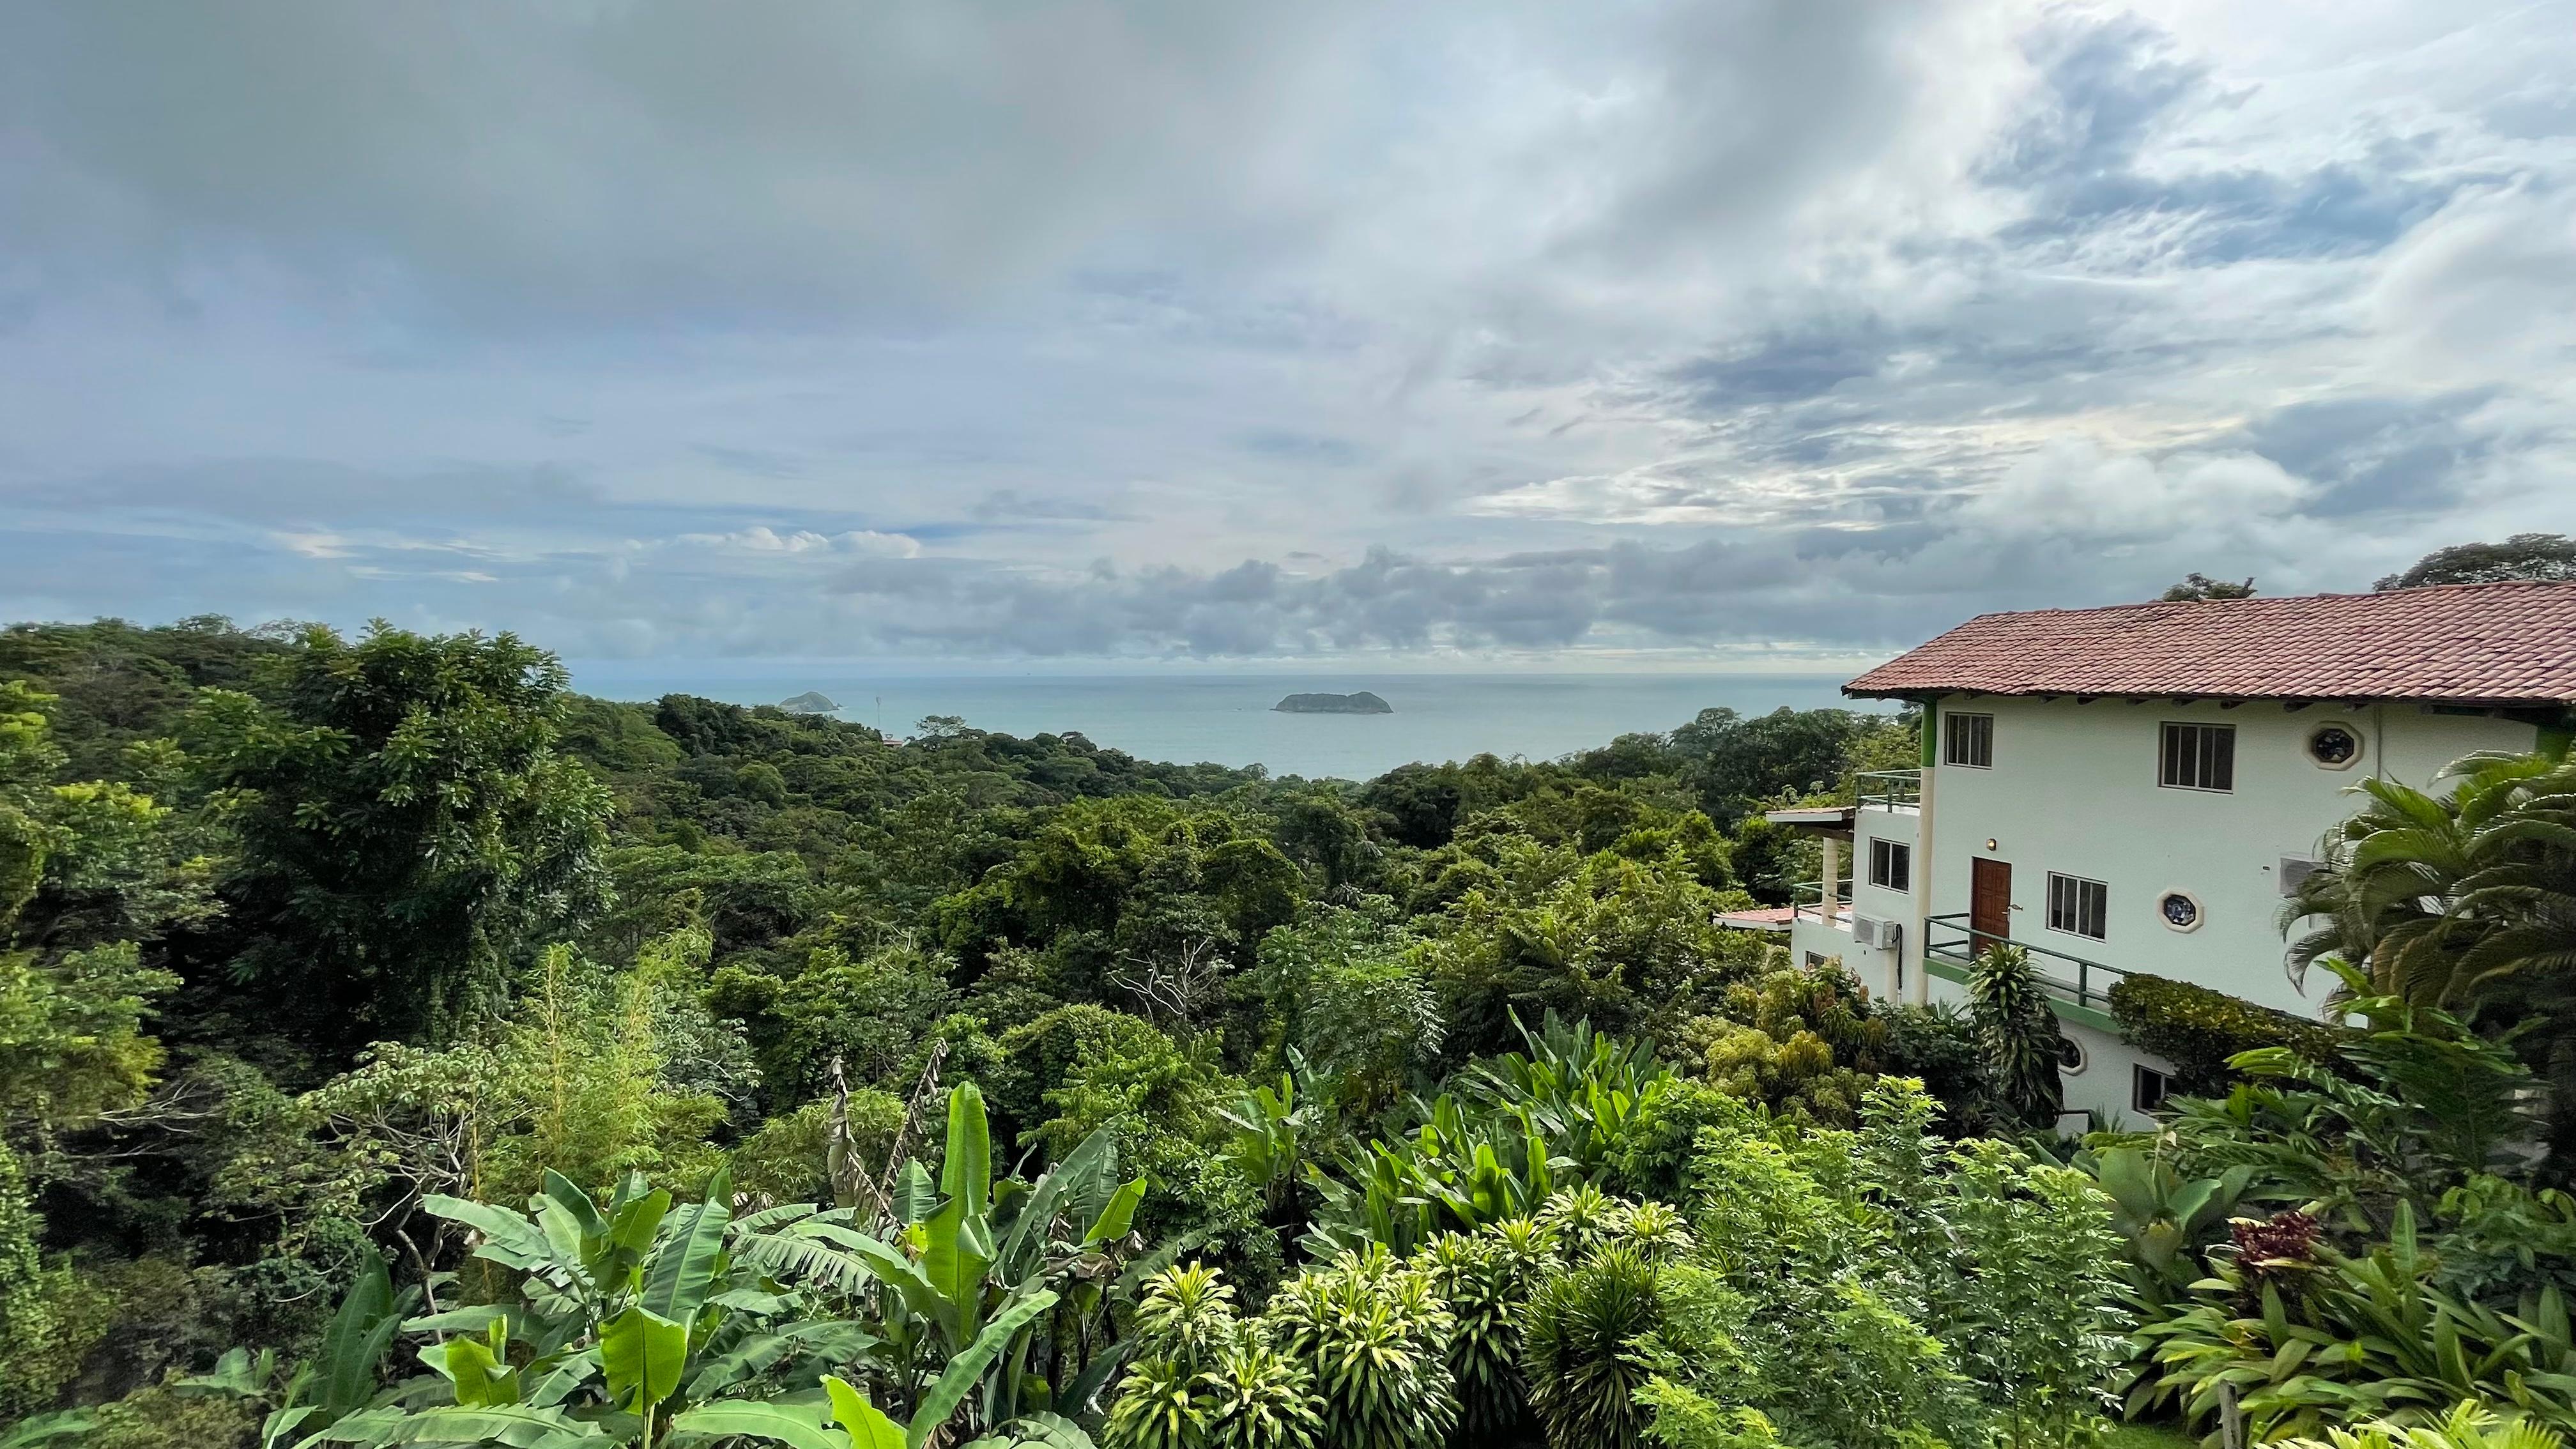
(1583, 1220)
(1487, 1279)
(1583, 1374)
(2017, 1031)
(1656, 1230)
(1259, 1398)
(1204, 1378)
(1375, 1336)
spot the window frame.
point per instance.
(2203, 762)
(1953, 738)
(2076, 885)
(1891, 858)
(2139, 1075)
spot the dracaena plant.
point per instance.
(1487, 1278)
(1374, 1335)
(1205, 1378)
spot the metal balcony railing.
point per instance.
(1807, 901)
(2085, 983)
(1891, 789)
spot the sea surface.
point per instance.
(1227, 718)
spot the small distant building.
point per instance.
(2136, 789)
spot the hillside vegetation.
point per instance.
(396, 1047)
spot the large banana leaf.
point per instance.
(957, 1252)
(797, 1425)
(1035, 1431)
(967, 1369)
(806, 1252)
(515, 1426)
(677, 1275)
(1023, 1244)
(1118, 1215)
(865, 1423)
(966, 1172)
(509, 1238)
(840, 1339)
(360, 1334)
(914, 1193)
(642, 1354)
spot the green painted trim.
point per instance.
(2085, 1016)
(1946, 970)
(1931, 729)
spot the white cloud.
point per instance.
(2076, 491)
(760, 539)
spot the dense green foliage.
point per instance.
(2199, 1030)
(397, 1048)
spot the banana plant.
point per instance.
(975, 1268)
(848, 1420)
(622, 1317)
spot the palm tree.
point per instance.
(2466, 902)
(2454, 900)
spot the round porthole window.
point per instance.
(2334, 746)
(2072, 1059)
(2180, 910)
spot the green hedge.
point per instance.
(2198, 1029)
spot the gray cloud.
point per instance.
(1161, 330)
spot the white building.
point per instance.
(2134, 789)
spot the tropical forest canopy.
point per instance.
(396, 1047)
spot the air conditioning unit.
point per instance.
(2295, 869)
(1883, 935)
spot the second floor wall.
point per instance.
(2128, 813)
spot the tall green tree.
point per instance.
(2539, 557)
(406, 828)
(2197, 586)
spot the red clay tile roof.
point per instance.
(2468, 643)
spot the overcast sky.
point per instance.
(1741, 331)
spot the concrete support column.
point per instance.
(1919, 983)
(1911, 949)
(1832, 872)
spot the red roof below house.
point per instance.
(2467, 643)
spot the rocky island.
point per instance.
(810, 702)
(1360, 703)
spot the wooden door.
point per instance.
(1989, 901)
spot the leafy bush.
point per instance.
(2198, 1030)
(1802, 1042)
(1206, 1379)
(2308, 1338)
(2467, 1426)
(1583, 1375)
(1487, 1279)
(1374, 1334)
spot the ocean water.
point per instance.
(1227, 718)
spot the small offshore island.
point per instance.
(810, 702)
(1360, 703)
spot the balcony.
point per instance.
(1807, 903)
(1891, 789)
(2081, 989)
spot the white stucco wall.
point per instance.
(1876, 969)
(2073, 789)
